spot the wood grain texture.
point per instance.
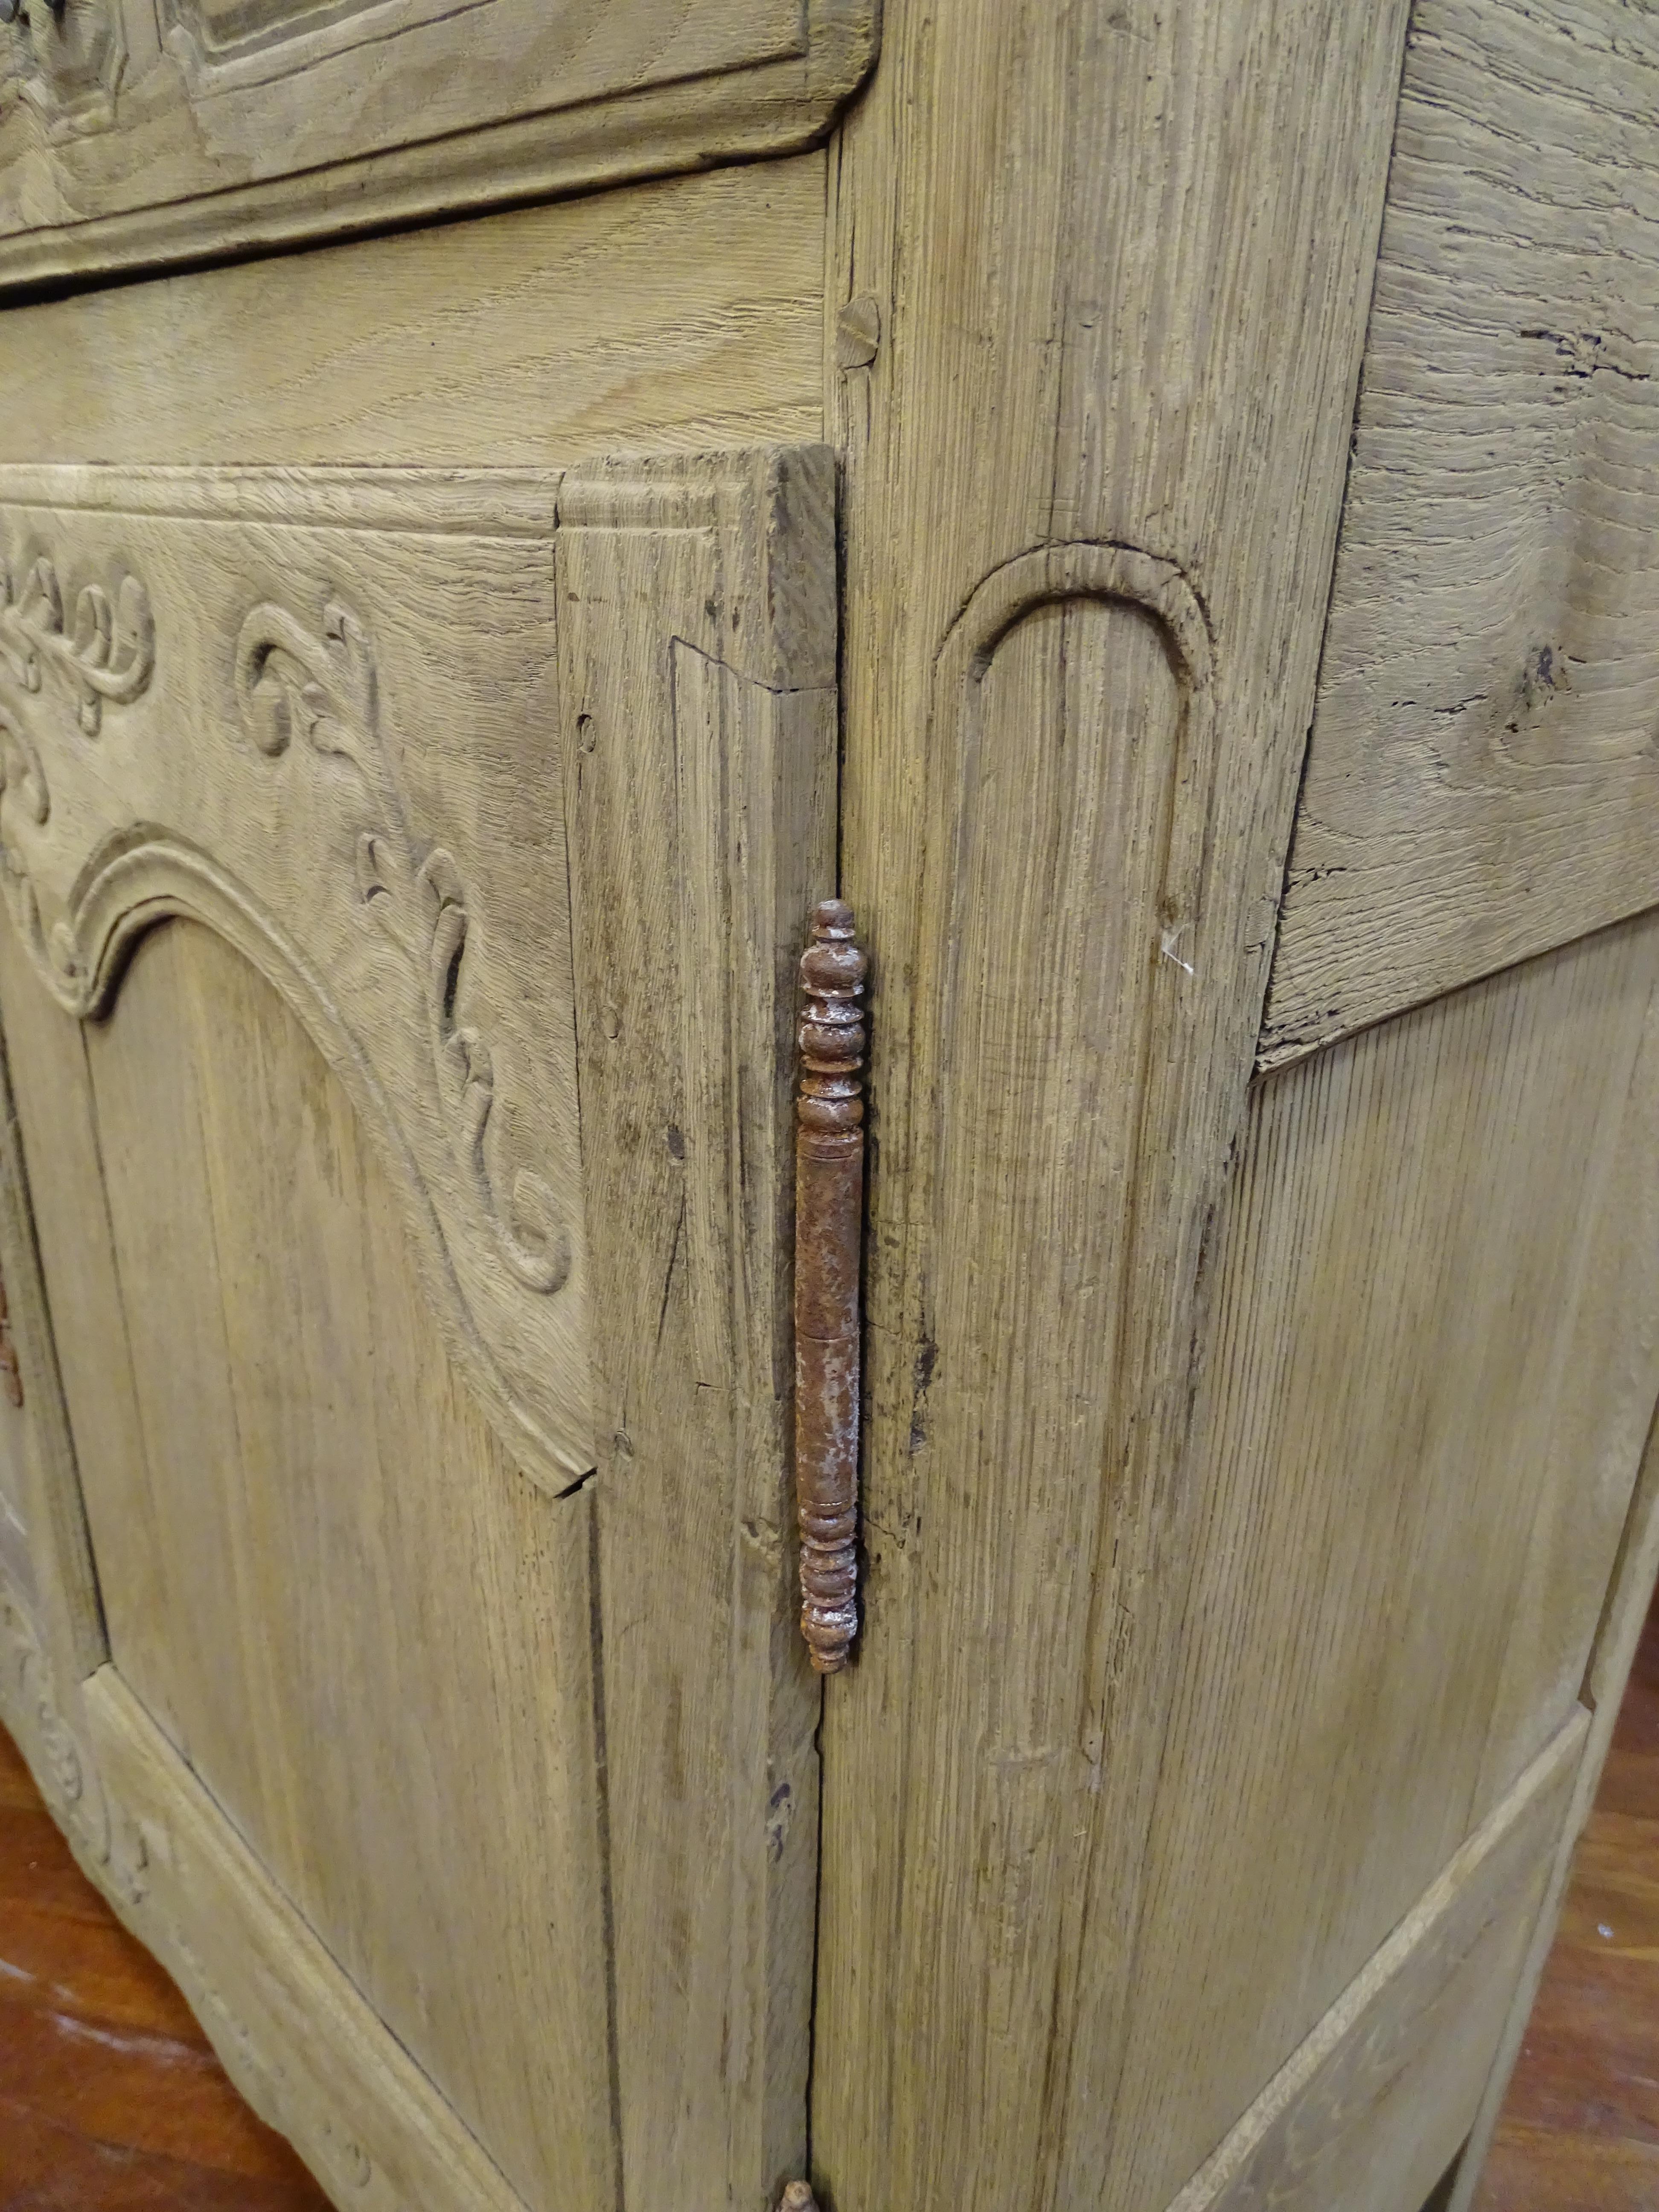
(277, 717)
(684, 315)
(293, 2032)
(1080, 654)
(1413, 1453)
(1482, 778)
(1623, 1708)
(1369, 2110)
(1579, 2129)
(700, 670)
(277, 1559)
(147, 134)
(364, 1630)
(111, 2099)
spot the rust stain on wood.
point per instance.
(828, 1211)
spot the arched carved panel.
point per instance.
(320, 714)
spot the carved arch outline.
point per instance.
(144, 876)
(1054, 574)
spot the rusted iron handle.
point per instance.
(829, 1212)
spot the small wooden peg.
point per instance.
(828, 1218)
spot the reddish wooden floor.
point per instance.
(1580, 2131)
(111, 2100)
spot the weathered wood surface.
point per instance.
(1619, 1632)
(1577, 2125)
(699, 669)
(133, 134)
(537, 1769)
(1372, 2107)
(313, 711)
(1415, 1444)
(294, 2034)
(362, 1628)
(685, 315)
(1106, 275)
(1482, 777)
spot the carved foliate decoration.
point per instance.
(323, 730)
(69, 61)
(106, 651)
(319, 690)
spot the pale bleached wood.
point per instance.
(685, 315)
(375, 1650)
(1630, 1594)
(1434, 1354)
(294, 2035)
(700, 666)
(253, 1568)
(1117, 264)
(53, 1096)
(327, 736)
(41, 1488)
(1371, 2109)
(1482, 782)
(116, 153)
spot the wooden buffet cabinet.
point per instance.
(502, 507)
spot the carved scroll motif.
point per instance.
(106, 657)
(829, 1210)
(320, 688)
(107, 653)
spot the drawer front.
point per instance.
(141, 132)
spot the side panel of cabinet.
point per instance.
(1093, 481)
(1245, 1468)
(405, 875)
(1483, 778)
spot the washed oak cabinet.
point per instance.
(1151, 504)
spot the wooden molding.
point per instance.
(1371, 2108)
(223, 143)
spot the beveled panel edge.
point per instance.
(772, 108)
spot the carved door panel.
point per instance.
(397, 976)
(144, 131)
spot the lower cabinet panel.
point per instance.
(310, 2055)
(367, 1631)
(1371, 2109)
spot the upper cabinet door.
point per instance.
(306, 117)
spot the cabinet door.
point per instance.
(1254, 1417)
(149, 130)
(401, 880)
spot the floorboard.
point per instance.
(111, 2100)
(1580, 2127)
